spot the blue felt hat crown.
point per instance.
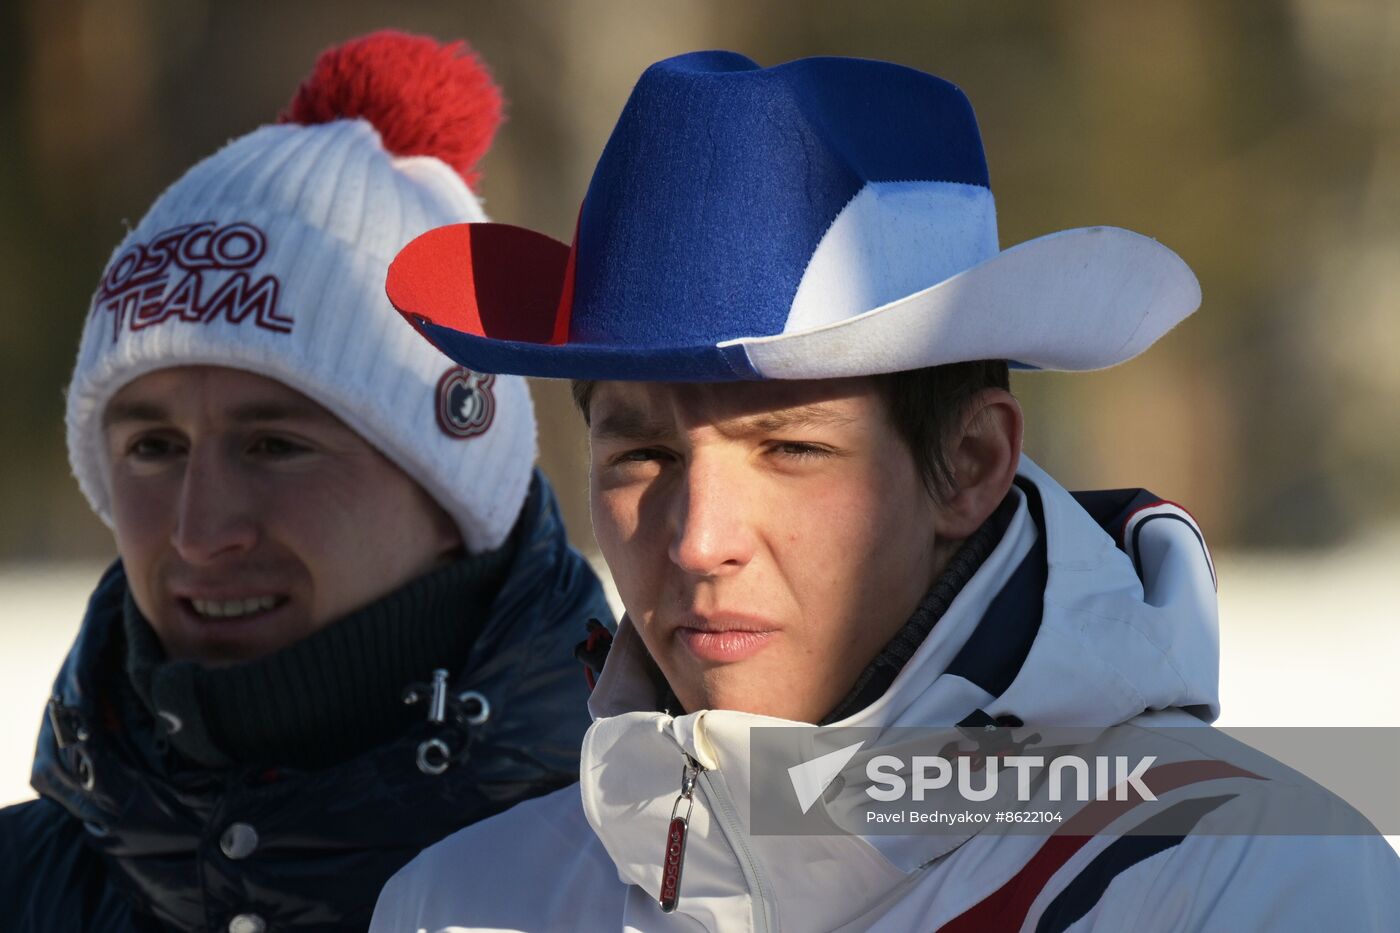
(826, 217)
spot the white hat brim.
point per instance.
(1078, 299)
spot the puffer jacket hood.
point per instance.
(1093, 610)
(123, 839)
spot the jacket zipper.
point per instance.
(673, 857)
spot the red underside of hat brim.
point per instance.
(488, 280)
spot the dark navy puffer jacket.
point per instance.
(117, 841)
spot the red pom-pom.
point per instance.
(424, 98)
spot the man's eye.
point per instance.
(799, 450)
(640, 455)
(151, 447)
(276, 447)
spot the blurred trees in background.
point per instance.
(1261, 141)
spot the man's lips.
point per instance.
(233, 608)
(210, 604)
(724, 638)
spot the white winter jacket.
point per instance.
(1120, 629)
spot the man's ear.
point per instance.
(982, 455)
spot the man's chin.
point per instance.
(756, 696)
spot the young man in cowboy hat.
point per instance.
(343, 620)
(788, 324)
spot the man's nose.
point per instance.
(711, 531)
(214, 515)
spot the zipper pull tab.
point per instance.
(676, 832)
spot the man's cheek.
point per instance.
(615, 517)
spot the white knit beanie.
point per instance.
(270, 256)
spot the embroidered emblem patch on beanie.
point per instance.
(466, 403)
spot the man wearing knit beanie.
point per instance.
(343, 620)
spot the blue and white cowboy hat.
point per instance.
(827, 217)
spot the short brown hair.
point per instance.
(925, 406)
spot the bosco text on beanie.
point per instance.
(270, 255)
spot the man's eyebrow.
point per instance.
(631, 424)
(249, 413)
(624, 423)
(118, 412)
(776, 422)
(280, 411)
